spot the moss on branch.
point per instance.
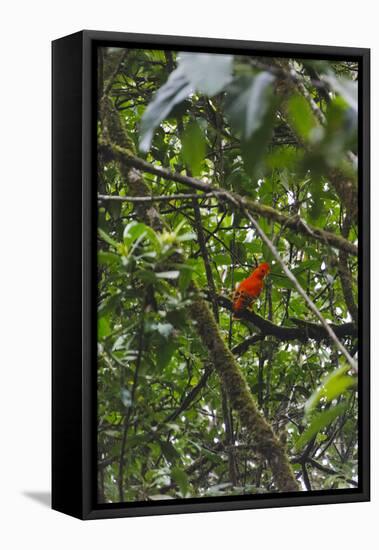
(294, 223)
(240, 396)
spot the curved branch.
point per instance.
(294, 223)
(241, 348)
(155, 198)
(306, 331)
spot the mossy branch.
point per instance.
(114, 128)
(240, 396)
(294, 223)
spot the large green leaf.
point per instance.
(250, 107)
(301, 116)
(205, 73)
(335, 384)
(208, 73)
(103, 328)
(348, 89)
(320, 421)
(176, 89)
(135, 230)
(107, 238)
(248, 101)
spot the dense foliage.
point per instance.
(275, 133)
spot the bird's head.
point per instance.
(263, 269)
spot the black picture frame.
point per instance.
(74, 279)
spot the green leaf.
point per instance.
(320, 421)
(341, 131)
(284, 158)
(337, 383)
(206, 73)
(348, 89)
(103, 328)
(135, 230)
(301, 116)
(193, 147)
(176, 89)
(281, 281)
(107, 238)
(109, 304)
(107, 258)
(248, 101)
(164, 354)
(146, 275)
(181, 479)
(250, 107)
(316, 208)
(186, 274)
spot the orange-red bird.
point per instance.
(250, 288)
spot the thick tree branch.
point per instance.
(306, 331)
(156, 198)
(294, 223)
